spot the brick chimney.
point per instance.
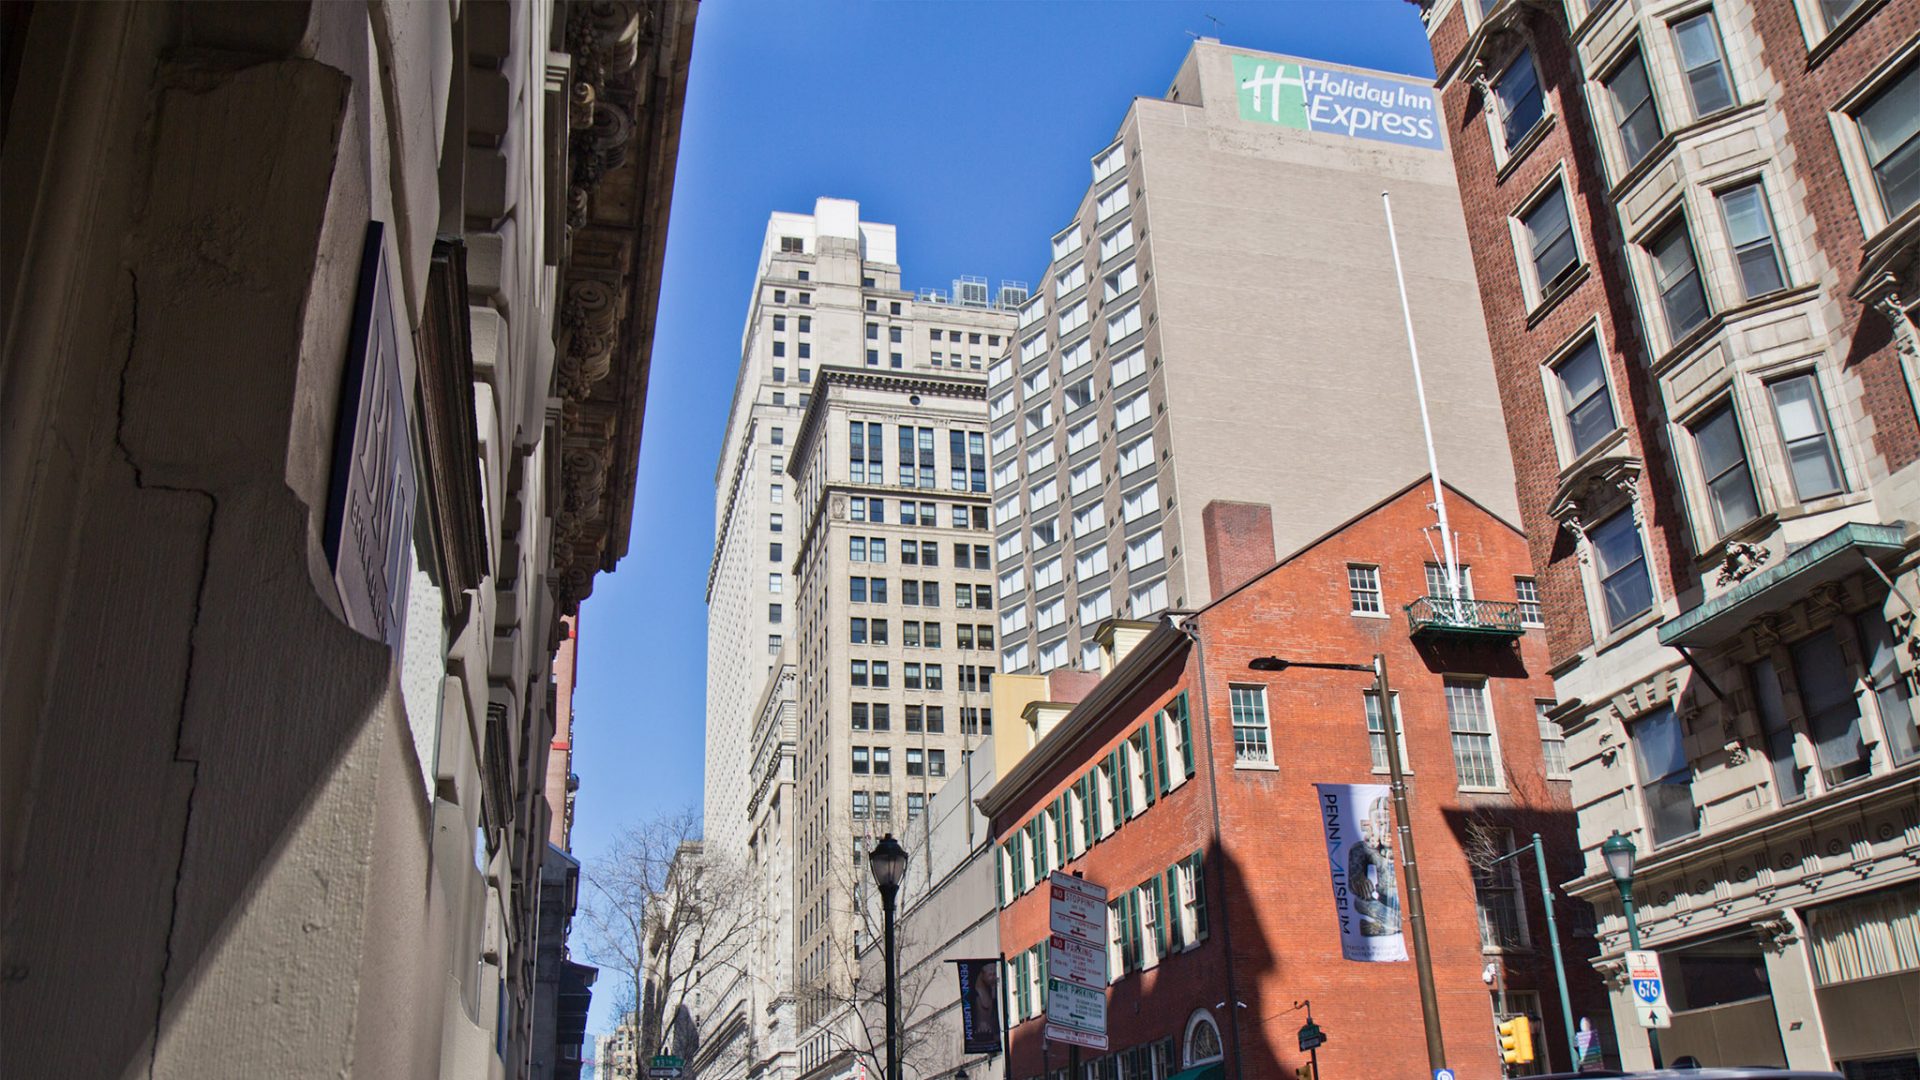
(1239, 543)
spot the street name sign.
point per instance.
(1076, 962)
(1311, 1036)
(1649, 989)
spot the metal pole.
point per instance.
(1553, 938)
(1313, 1052)
(1006, 1020)
(1416, 909)
(893, 992)
(1426, 424)
(1633, 938)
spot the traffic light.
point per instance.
(1516, 1040)
(1304, 1072)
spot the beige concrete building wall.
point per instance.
(1269, 344)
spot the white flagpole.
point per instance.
(1426, 423)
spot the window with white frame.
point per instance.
(1075, 355)
(1585, 402)
(1117, 241)
(1008, 546)
(1000, 406)
(1046, 573)
(1067, 243)
(1073, 318)
(1527, 592)
(1111, 202)
(1034, 347)
(1084, 478)
(1006, 509)
(1012, 581)
(1476, 757)
(1437, 580)
(1145, 550)
(1134, 456)
(1109, 162)
(1377, 733)
(1251, 743)
(1078, 395)
(1129, 367)
(1006, 473)
(1147, 599)
(1045, 533)
(1050, 614)
(1070, 279)
(1002, 369)
(1813, 459)
(1120, 282)
(1088, 518)
(1496, 893)
(1518, 100)
(1131, 411)
(1703, 63)
(1635, 115)
(1040, 456)
(1052, 656)
(1014, 659)
(1723, 468)
(1039, 419)
(1666, 776)
(1126, 322)
(1756, 251)
(1004, 440)
(1013, 619)
(1140, 502)
(1090, 562)
(1553, 741)
(1620, 564)
(1889, 124)
(1096, 606)
(1363, 590)
(1042, 495)
(1676, 277)
(1546, 227)
(1083, 436)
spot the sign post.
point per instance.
(1649, 989)
(1076, 962)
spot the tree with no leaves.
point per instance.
(661, 910)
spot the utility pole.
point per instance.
(1416, 908)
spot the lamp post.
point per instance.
(889, 862)
(1396, 773)
(1618, 852)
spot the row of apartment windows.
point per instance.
(873, 511)
(1161, 916)
(966, 457)
(1818, 702)
(873, 590)
(932, 719)
(878, 761)
(1476, 745)
(914, 675)
(878, 805)
(915, 634)
(1156, 758)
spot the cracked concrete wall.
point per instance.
(220, 857)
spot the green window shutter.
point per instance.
(1146, 764)
(1115, 965)
(1060, 829)
(1164, 945)
(1037, 840)
(1160, 748)
(1125, 774)
(1133, 927)
(1175, 935)
(1000, 876)
(1186, 734)
(1199, 896)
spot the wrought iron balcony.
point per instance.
(1437, 615)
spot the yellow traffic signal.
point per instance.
(1304, 1072)
(1516, 1040)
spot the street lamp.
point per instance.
(1619, 853)
(889, 862)
(1403, 818)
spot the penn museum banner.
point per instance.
(1358, 823)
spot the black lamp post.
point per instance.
(889, 862)
(1619, 853)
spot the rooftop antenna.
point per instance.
(1217, 24)
(1452, 565)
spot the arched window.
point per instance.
(1203, 1040)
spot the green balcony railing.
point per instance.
(1432, 615)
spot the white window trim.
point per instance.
(1853, 150)
(1535, 291)
(1684, 209)
(1496, 131)
(1493, 731)
(1266, 715)
(1556, 401)
(1693, 478)
(1590, 583)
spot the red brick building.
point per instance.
(1696, 229)
(1184, 784)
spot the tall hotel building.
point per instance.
(1697, 234)
(851, 636)
(1220, 321)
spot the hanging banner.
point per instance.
(980, 1005)
(1358, 824)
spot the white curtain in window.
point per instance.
(1876, 934)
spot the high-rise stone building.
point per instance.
(1697, 232)
(1219, 321)
(869, 566)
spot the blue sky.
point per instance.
(966, 125)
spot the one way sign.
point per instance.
(1649, 989)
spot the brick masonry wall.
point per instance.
(1523, 340)
(1239, 540)
(1814, 91)
(1269, 865)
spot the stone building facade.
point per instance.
(1183, 784)
(328, 339)
(1695, 232)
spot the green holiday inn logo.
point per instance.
(1271, 92)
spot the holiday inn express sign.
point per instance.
(1309, 98)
